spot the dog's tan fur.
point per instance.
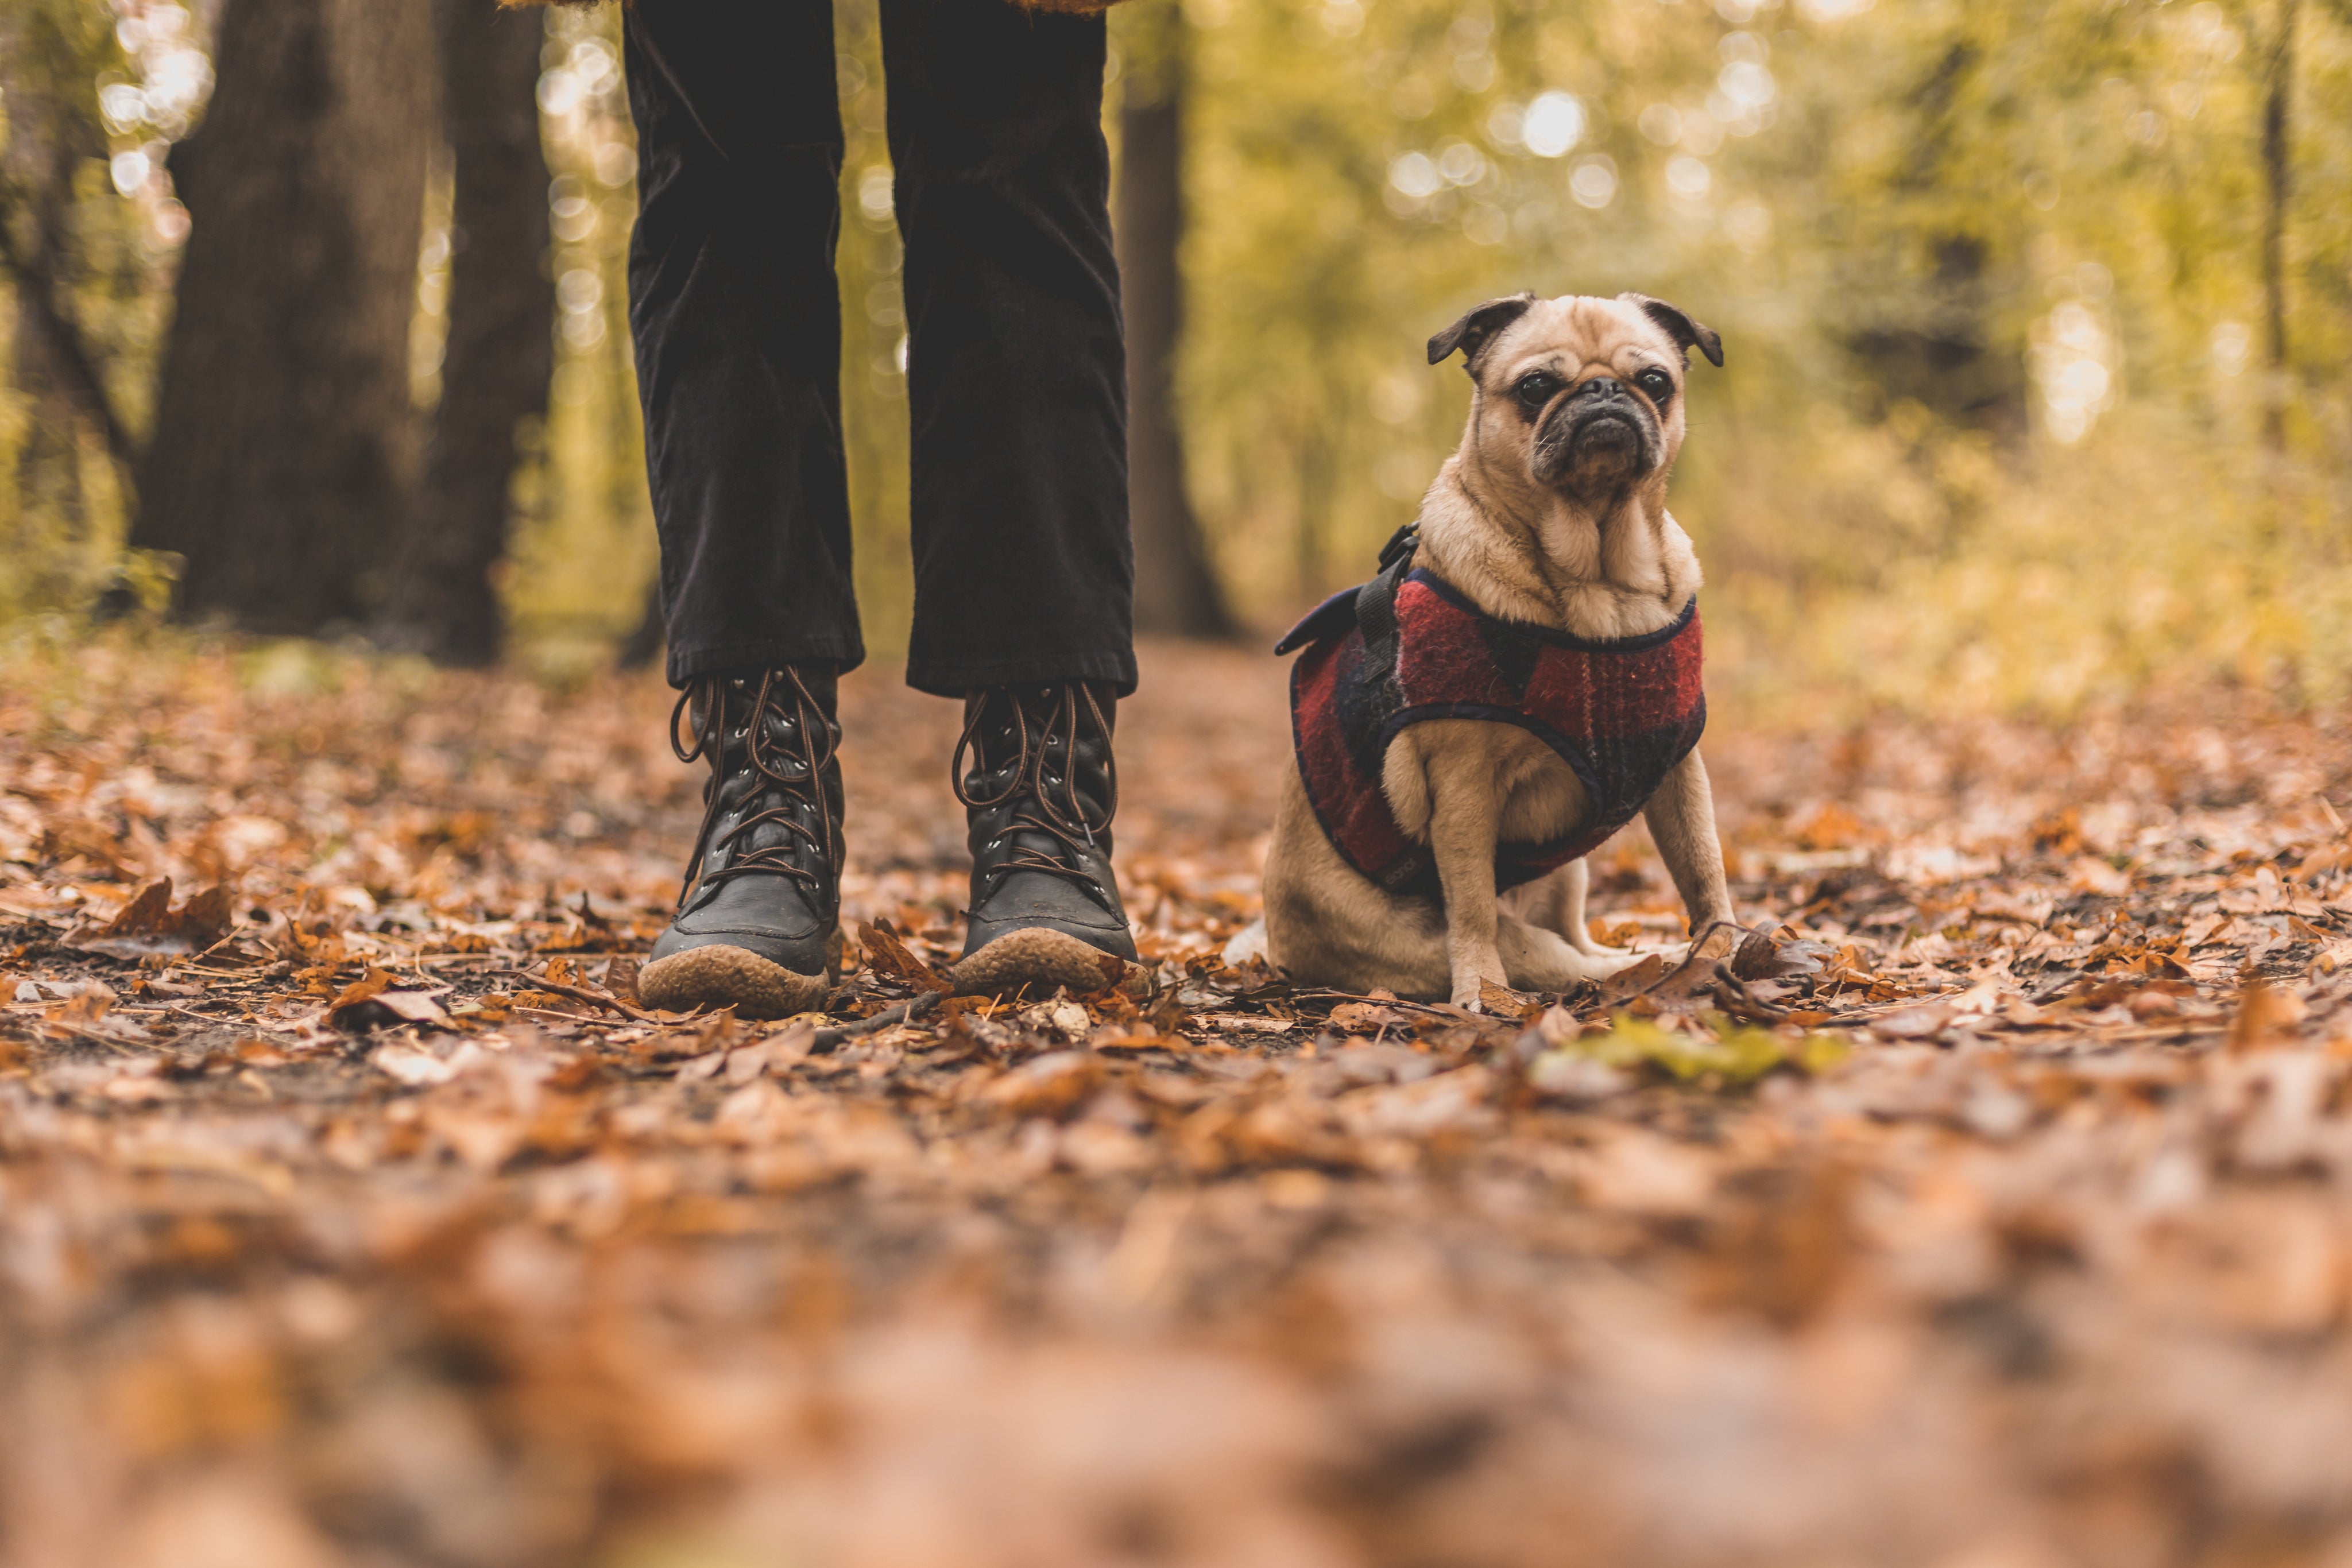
(1594, 560)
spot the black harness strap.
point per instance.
(1376, 602)
(1376, 618)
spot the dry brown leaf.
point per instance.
(1053, 1085)
(148, 925)
(893, 957)
(453, 1274)
(2266, 1015)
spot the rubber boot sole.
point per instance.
(718, 976)
(1043, 961)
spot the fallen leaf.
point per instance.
(2266, 1016)
(1914, 1023)
(148, 924)
(1053, 1085)
(892, 957)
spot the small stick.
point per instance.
(905, 1012)
(200, 958)
(1732, 995)
(1435, 1009)
(224, 1020)
(567, 1018)
(540, 982)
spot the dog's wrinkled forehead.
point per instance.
(1579, 328)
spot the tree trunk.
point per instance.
(1176, 589)
(54, 380)
(501, 351)
(2278, 173)
(284, 437)
(51, 135)
(1309, 546)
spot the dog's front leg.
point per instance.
(1462, 828)
(1682, 822)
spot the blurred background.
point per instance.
(2038, 390)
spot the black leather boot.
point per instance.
(1039, 796)
(759, 917)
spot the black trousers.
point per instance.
(1016, 371)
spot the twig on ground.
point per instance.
(833, 1035)
(552, 1013)
(218, 1020)
(540, 982)
(1435, 1009)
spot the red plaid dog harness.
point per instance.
(1408, 647)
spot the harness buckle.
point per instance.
(1402, 542)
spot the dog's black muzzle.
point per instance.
(1597, 435)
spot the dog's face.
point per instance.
(1582, 395)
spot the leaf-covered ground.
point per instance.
(355, 1214)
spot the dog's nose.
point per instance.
(1601, 387)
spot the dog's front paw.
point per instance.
(1473, 995)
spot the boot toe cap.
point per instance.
(1103, 932)
(1040, 959)
(803, 953)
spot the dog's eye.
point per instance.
(1659, 385)
(1535, 389)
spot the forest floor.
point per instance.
(354, 1215)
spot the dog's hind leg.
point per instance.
(1555, 902)
(1327, 926)
(1574, 880)
(1538, 959)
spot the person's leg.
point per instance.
(737, 319)
(1017, 390)
(1016, 367)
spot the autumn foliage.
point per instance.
(352, 1210)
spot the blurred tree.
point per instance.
(641, 648)
(50, 51)
(1981, 263)
(2278, 190)
(1937, 343)
(441, 599)
(1176, 587)
(284, 436)
(582, 543)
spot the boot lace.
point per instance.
(1065, 819)
(704, 704)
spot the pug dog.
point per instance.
(1520, 681)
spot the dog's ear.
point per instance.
(1680, 327)
(1477, 329)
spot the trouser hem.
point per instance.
(942, 679)
(724, 658)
